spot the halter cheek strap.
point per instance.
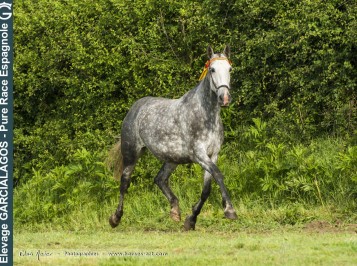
(221, 86)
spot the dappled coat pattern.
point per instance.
(179, 131)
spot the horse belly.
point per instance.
(168, 147)
(166, 141)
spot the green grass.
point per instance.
(296, 206)
(282, 246)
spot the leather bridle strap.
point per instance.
(220, 86)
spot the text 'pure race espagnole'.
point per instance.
(6, 132)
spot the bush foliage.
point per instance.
(80, 65)
(275, 175)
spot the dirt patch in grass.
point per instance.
(326, 227)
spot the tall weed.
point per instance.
(320, 172)
(49, 196)
(261, 172)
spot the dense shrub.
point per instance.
(290, 131)
(321, 172)
(276, 175)
(66, 188)
(81, 64)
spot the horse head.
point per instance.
(218, 69)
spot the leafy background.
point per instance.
(290, 132)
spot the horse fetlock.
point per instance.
(190, 223)
(175, 214)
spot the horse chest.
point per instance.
(212, 141)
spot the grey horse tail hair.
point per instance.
(114, 160)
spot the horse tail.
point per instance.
(115, 160)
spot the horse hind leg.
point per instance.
(162, 181)
(190, 221)
(114, 220)
(128, 167)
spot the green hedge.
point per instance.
(80, 65)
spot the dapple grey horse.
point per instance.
(179, 131)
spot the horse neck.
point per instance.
(208, 98)
(203, 100)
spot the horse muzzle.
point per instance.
(224, 97)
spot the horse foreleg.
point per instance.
(190, 221)
(162, 181)
(210, 167)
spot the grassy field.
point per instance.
(291, 234)
(304, 216)
(317, 243)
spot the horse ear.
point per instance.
(210, 52)
(227, 51)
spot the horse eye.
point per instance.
(212, 69)
(230, 69)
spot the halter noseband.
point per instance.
(221, 86)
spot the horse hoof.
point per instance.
(113, 221)
(189, 224)
(175, 215)
(231, 215)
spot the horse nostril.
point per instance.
(224, 99)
